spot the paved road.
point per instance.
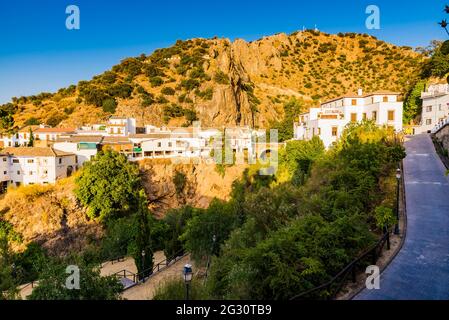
(421, 268)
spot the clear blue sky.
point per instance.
(38, 53)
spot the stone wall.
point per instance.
(443, 136)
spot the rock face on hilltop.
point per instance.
(227, 83)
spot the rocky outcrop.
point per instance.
(203, 183)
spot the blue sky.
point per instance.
(38, 53)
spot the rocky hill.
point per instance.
(226, 83)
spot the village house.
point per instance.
(20, 138)
(435, 106)
(83, 146)
(35, 165)
(121, 126)
(329, 120)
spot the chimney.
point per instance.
(360, 92)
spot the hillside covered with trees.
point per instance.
(225, 83)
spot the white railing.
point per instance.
(435, 90)
(440, 125)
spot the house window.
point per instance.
(440, 108)
(60, 160)
(374, 114)
(353, 117)
(334, 131)
(385, 99)
(159, 144)
(354, 102)
(15, 160)
(364, 116)
(31, 173)
(429, 108)
(30, 161)
(4, 159)
(428, 121)
(18, 173)
(390, 115)
(45, 171)
(169, 144)
(5, 172)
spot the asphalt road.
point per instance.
(421, 268)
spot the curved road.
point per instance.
(421, 268)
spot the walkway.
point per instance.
(421, 268)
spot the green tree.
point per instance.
(31, 139)
(109, 105)
(292, 109)
(8, 285)
(176, 221)
(6, 122)
(208, 229)
(142, 250)
(108, 185)
(92, 286)
(413, 102)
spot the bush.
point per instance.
(109, 105)
(156, 81)
(190, 84)
(32, 121)
(168, 91)
(221, 77)
(175, 289)
(92, 285)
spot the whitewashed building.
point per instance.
(121, 126)
(329, 120)
(35, 165)
(435, 106)
(83, 146)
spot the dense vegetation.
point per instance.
(284, 234)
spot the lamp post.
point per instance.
(143, 265)
(187, 274)
(398, 178)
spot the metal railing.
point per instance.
(333, 286)
(329, 289)
(144, 275)
(440, 125)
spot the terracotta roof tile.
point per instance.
(35, 152)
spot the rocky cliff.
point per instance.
(227, 83)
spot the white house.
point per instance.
(83, 146)
(329, 120)
(121, 126)
(20, 138)
(435, 106)
(35, 165)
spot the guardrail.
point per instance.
(440, 125)
(144, 275)
(334, 285)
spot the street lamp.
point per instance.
(143, 265)
(398, 178)
(187, 274)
